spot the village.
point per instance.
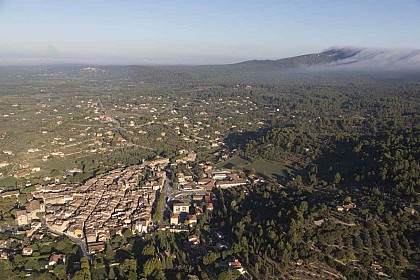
(121, 200)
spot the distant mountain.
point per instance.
(347, 57)
(338, 64)
(329, 56)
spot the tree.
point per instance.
(337, 178)
(18, 259)
(298, 180)
(128, 234)
(380, 207)
(210, 258)
(60, 271)
(229, 275)
(148, 250)
(84, 273)
(158, 274)
(129, 268)
(46, 276)
(151, 265)
(111, 273)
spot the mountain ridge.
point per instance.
(347, 57)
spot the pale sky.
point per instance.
(197, 32)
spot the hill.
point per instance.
(348, 58)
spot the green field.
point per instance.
(267, 168)
(235, 162)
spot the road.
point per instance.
(82, 244)
(78, 241)
(167, 188)
(118, 126)
(114, 120)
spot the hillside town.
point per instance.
(121, 200)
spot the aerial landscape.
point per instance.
(208, 148)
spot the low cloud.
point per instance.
(380, 59)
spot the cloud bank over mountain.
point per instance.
(377, 59)
(347, 58)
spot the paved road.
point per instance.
(82, 244)
(114, 120)
(166, 189)
(78, 241)
(118, 126)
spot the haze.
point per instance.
(196, 32)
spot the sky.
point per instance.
(197, 32)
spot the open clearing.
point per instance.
(264, 167)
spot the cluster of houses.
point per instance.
(212, 178)
(34, 208)
(345, 207)
(109, 203)
(27, 250)
(122, 200)
(190, 211)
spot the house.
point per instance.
(235, 264)
(198, 210)
(208, 186)
(231, 183)
(141, 226)
(220, 175)
(37, 236)
(181, 177)
(91, 236)
(35, 207)
(75, 230)
(56, 258)
(156, 185)
(349, 206)
(207, 198)
(319, 222)
(197, 198)
(174, 219)
(22, 218)
(190, 157)
(188, 177)
(105, 117)
(4, 256)
(194, 240)
(6, 194)
(161, 162)
(221, 246)
(209, 206)
(160, 174)
(180, 207)
(60, 225)
(95, 247)
(410, 210)
(204, 181)
(233, 177)
(27, 251)
(376, 265)
(192, 219)
(220, 235)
